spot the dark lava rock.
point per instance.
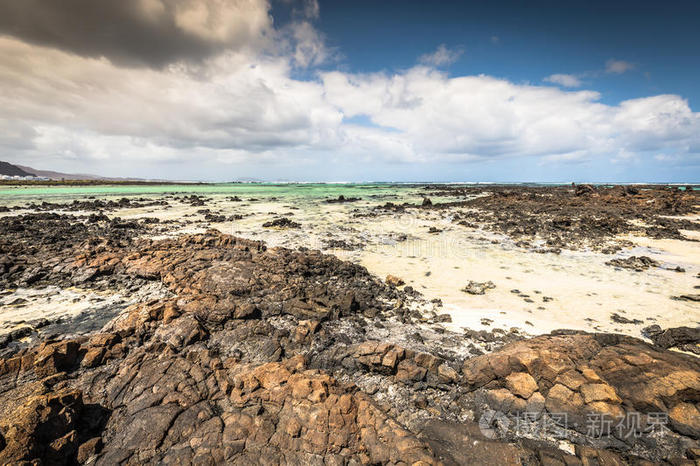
(633, 262)
(341, 244)
(271, 356)
(584, 190)
(282, 222)
(97, 205)
(680, 337)
(631, 190)
(615, 317)
(20, 333)
(342, 199)
(689, 297)
(215, 218)
(591, 220)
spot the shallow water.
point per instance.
(534, 292)
(19, 194)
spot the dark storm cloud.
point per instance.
(133, 32)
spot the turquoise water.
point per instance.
(54, 193)
(14, 194)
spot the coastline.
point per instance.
(398, 242)
(195, 281)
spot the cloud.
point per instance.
(618, 66)
(238, 104)
(138, 32)
(612, 66)
(468, 117)
(312, 9)
(440, 57)
(663, 158)
(307, 44)
(246, 105)
(566, 80)
(247, 108)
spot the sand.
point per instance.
(534, 292)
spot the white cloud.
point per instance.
(235, 103)
(245, 107)
(441, 56)
(618, 66)
(309, 47)
(566, 80)
(468, 117)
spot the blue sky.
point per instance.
(527, 41)
(328, 90)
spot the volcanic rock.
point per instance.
(393, 280)
(635, 263)
(478, 287)
(282, 222)
(263, 354)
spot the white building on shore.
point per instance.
(24, 178)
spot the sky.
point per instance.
(314, 90)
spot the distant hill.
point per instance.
(8, 169)
(22, 170)
(58, 175)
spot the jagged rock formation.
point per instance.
(573, 218)
(277, 356)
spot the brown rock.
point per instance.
(535, 404)
(191, 381)
(93, 357)
(590, 456)
(599, 392)
(245, 311)
(52, 358)
(571, 379)
(409, 371)
(170, 313)
(392, 280)
(504, 401)
(521, 384)
(609, 410)
(103, 339)
(559, 399)
(685, 418)
(89, 449)
(447, 374)
(42, 427)
(590, 374)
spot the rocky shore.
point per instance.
(573, 217)
(250, 354)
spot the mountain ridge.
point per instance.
(7, 169)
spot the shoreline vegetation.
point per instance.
(288, 325)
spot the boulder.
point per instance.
(478, 288)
